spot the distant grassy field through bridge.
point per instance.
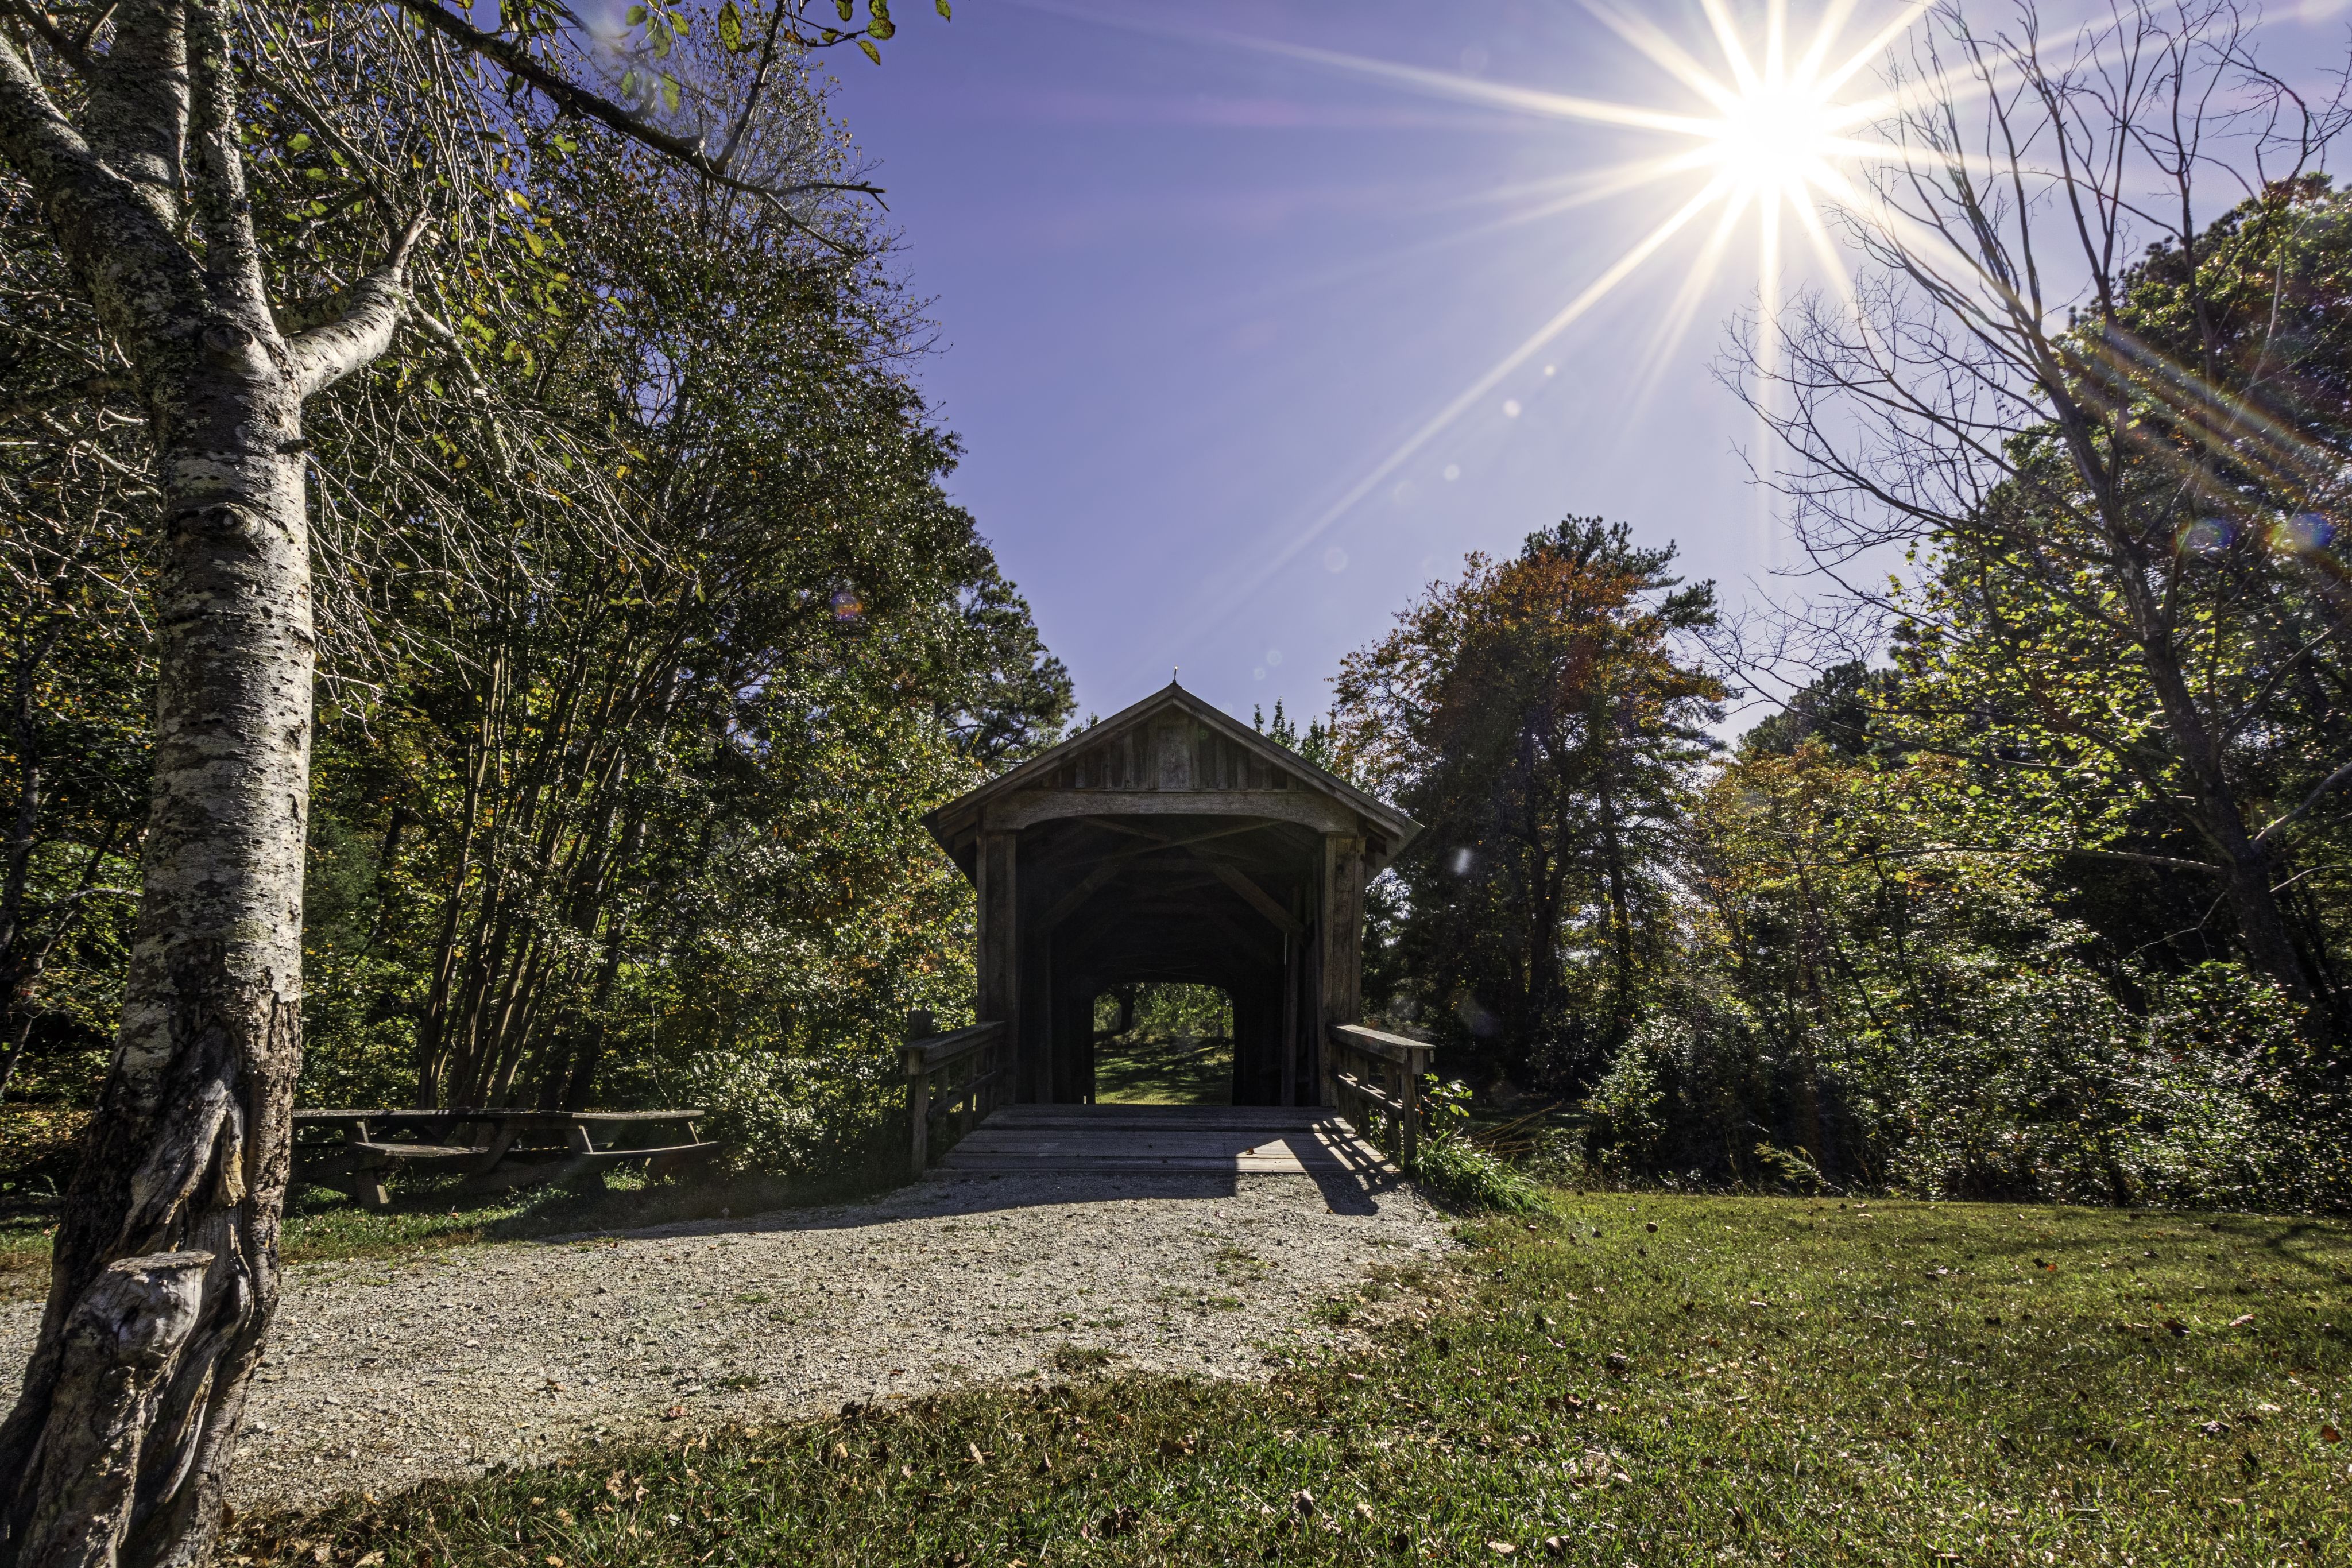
(1169, 1045)
(1639, 1378)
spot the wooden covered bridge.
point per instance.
(1169, 843)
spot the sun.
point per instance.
(1769, 132)
(1778, 142)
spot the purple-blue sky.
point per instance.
(1191, 293)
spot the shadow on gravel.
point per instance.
(1344, 1192)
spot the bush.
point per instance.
(2019, 1077)
(833, 1116)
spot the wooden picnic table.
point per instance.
(495, 1150)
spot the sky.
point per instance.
(1204, 293)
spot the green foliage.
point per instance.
(649, 630)
(1166, 1010)
(1539, 719)
(1866, 1007)
(1752, 1380)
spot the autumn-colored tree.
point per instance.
(1539, 716)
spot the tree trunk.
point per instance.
(2246, 864)
(189, 1151)
(126, 1338)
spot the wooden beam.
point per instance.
(1068, 905)
(1342, 958)
(1255, 897)
(1000, 931)
(1027, 807)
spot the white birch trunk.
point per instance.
(115, 1449)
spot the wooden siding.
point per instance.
(1169, 751)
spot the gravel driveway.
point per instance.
(382, 1375)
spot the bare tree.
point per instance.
(2090, 497)
(128, 124)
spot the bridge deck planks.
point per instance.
(1267, 1140)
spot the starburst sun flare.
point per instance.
(1773, 134)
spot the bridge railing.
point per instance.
(960, 1076)
(1377, 1077)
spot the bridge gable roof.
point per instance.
(1171, 752)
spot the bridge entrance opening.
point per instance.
(1169, 846)
(1162, 1044)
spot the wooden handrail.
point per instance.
(971, 1063)
(1391, 1085)
(1394, 1048)
(942, 1049)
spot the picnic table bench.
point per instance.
(494, 1150)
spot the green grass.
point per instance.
(1177, 1070)
(1757, 1381)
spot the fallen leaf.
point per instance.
(370, 1561)
(675, 1413)
(2176, 1326)
(2330, 1434)
(976, 1456)
(2241, 1322)
(1501, 1548)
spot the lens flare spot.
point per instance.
(1510, 408)
(2303, 531)
(2206, 537)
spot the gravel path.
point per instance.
(382, 1375)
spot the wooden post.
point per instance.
(1409, 1096)
(918, 1108)
(1000, 933)
(1289, 1021)
(1343, 948)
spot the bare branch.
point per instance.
(355, 340)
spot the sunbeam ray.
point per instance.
(1622, 268)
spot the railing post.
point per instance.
(1410, 1098)
(919, 1111)
(921, 1026)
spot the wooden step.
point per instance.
(1112, 1140)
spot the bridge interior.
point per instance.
(1200, 900)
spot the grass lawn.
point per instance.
(1753, 1380)
(1174, 1069)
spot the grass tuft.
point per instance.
(1469, 1177)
